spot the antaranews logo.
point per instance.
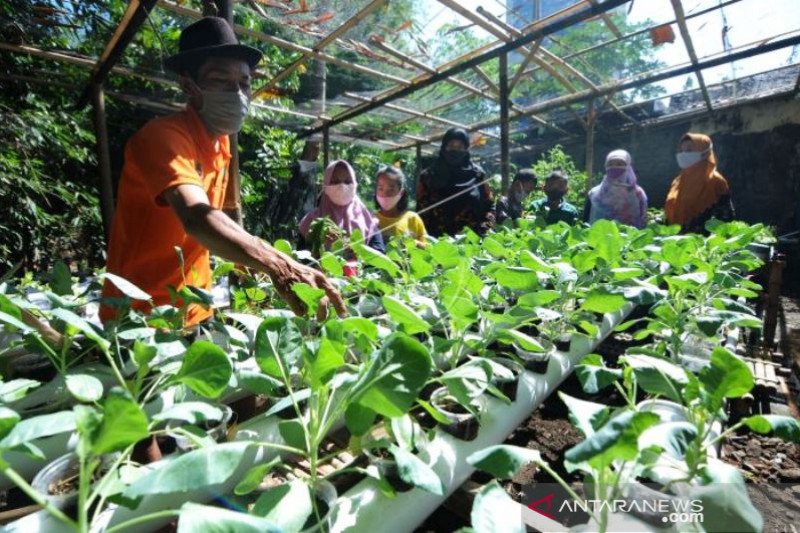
(551, 511)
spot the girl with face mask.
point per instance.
(340, 203)
(394, 218)
(452, 193)
(700, 192)
(618, 197)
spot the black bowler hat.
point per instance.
(209, 36)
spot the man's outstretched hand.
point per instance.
(287, 272)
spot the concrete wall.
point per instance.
(757, 147)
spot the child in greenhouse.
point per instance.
(340, 204)
(553, 207)
(618, 197)
(509, 207)
(394, 218)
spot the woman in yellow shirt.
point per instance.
(394, 218)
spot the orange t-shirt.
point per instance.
(166, 152)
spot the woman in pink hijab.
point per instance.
(341, 204)
(618, 197)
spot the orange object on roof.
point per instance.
(662, 34)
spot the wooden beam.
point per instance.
(134, 16)
(81, 61)
(687, 40)
(591, 117)
(442, 75)
(478, 91)
(103, 159)
(320, 46)
(418, 114)
(749, 50)
(504, 125)
(287, 45)
(326, 147)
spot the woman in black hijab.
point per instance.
(459, 184)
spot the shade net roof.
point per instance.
(632, 62)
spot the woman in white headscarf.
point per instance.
(618, 197)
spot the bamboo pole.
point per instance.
(504, 125)
(326, 147)
(103, 159)
(687, 41)
(134, 16)
(287, 45)
(591, 117)
(418, 114)
(746, 51)
(320, 46)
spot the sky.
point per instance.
(749, 21)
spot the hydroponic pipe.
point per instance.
(364, 509)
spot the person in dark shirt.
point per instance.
(509, 207)
(453, 193)
(553, 208)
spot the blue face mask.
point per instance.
(223, 112)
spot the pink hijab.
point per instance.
(619, 197)
(350, 217)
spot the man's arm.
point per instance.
(225, 238)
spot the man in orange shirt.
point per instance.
(172, 189)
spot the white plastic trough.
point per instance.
(364, 509)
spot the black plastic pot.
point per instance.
(508, 386)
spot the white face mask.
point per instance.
(341, 194)
(388, 202)
(224, 111)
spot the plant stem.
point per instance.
(572, 494)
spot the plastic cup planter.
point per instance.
(536, 362)
(58, 480)
(462, 423)
(383, 461)
(506, 378)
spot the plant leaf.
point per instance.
(287, 505)
(206, 369)
(395, 376)
(785, 427)
(123, 424)
(84, 388)
(401, 313)
(503, 461)
(495, 512)
(126, 287)
(206, 467)
(196, 518)
(278, 345)
(412, 470)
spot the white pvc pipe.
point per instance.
(256, 429)
(364, 504)
(364, 508)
